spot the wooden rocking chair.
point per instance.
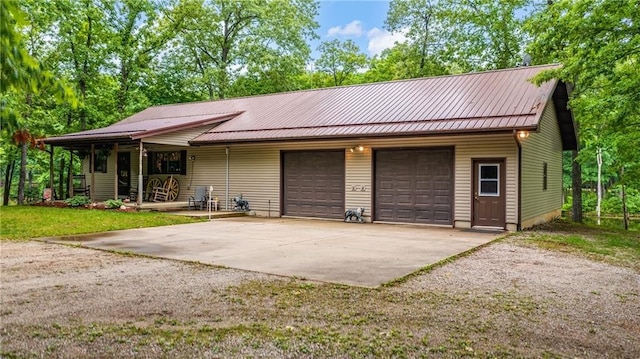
(168, 191)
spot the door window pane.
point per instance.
(489, 180)
(489, 187)
(489, 171)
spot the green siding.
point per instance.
(542, 146)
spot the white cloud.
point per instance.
(380, 40)
(354, 28)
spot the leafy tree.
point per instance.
(23, 77)
(400, 62)
(21, 73)
(485, 34)
(138, 32)
(82, 48)
(421, 20)
(340, 59)
(464, 35)
(598, 43)
(224, 39)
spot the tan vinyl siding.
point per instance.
(103, 183)
(358, 180)
(254, 170)
(545, 145)
(467, 148)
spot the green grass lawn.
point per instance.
(604, 243)
(25, 222)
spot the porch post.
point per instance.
(70, 179)
(140, 177)
(115, 173)
(93, 174)
(51, 174)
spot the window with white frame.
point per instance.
(489, 179)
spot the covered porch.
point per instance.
(145, 160)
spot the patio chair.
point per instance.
(161, 194)
(80, 187)
(199, 198)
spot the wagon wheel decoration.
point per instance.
(153, 183)
(174, 190)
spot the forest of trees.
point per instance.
(71, 65)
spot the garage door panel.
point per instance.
(313, 184)
(414, 185)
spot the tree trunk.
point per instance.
(8, 177)
(577, 187)
(599, 184)
(23, 172)
(625, 209)
(124, 88)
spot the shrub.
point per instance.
(77, 201)
(113, 203)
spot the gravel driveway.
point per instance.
(501, 301)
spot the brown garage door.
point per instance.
(414, 185)
(313, 183)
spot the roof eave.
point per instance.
(86, 140)
(566, 122)
(365, 136)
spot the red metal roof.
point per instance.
(498, 100)
(152, 121)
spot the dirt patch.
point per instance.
(504, 300)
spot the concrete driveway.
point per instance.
(330, 251)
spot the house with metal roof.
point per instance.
(474, 150)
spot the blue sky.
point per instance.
(359, 20)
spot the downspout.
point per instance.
(140, 177)
(227, 181)
(519, 214)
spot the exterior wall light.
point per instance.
(523, 134)
(358, 148)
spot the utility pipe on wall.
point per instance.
(227, 181)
